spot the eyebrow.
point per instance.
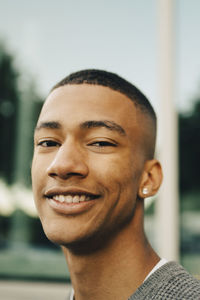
(48, 125)
(104, 123)
(110, 125)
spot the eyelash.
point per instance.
(49, 143)
(103, 144)
(97, 144)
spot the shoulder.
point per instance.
(170, 282)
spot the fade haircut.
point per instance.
(116, 83)
(113, 81)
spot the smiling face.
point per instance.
(88, 163)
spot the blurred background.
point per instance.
(43, 41)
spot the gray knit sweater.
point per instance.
(169, 282)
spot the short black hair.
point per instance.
(113, 81)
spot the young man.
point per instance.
(93, 166)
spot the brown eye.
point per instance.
(103, 144)
(48, 143)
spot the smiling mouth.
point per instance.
(72, 198)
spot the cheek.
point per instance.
(38, 179)
(39, 168)
(118, 169)
(35, 174)
(119, 178)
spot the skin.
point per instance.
(90, 139)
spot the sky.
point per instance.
(52, 38)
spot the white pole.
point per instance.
(167, 208)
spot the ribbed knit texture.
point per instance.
(169, 282)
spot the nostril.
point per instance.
(66, 175)
(74, 174)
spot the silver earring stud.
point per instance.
(145, 191)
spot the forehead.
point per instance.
(74, 103)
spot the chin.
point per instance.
(62, 235)
(59, 237)
(73, 240)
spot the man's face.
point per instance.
(87, 164)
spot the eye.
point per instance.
(48, 143)
(103, 144)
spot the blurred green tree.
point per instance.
(19, 109)
(29, 107)
(189, 149)
(9, 99)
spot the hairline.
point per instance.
(134, 100)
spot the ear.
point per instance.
(151, 179)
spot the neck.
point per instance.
(127, 258)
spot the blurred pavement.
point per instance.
(19, 290)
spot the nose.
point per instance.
(69, 161)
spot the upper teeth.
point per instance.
(71, 198)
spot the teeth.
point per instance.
(62, 198)
(71, 198)
(82, 198)
(68, 199)
(76, 199)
